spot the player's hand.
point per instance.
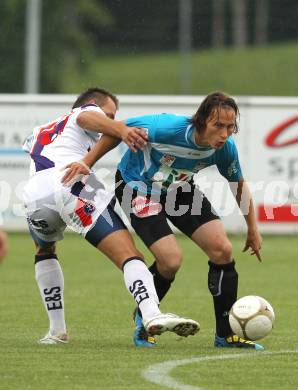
(134, 138)
(254, 243)
(3, 245)
(75, 171)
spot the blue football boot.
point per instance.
(236, 342)
(140, 337)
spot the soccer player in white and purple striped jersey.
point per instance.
(87, 208)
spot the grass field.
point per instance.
(98, 310)
(268, 70)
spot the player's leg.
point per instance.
(111, 237)
(48, 272)
(211, 237)
(50, 281)
(222, 276)
(148, 218)
(168, 258)
(201, 223)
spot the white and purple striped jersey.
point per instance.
(50, 206)
(60, 142)
(172, 155)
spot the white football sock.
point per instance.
(139, 282)
(49, 277)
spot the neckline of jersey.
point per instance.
(190, 138)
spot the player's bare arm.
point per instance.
(103, 146)
(245, 203)
(74, 169)
(94, 121)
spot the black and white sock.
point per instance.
(161, 283)
(50, 280)
(223, 285)
(139, 282)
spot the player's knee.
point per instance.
(221, 252)
(170, 264)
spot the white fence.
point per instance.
(267, 144)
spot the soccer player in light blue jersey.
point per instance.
(156, 185)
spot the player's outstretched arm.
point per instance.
(246, 205)
(102, 147)
(3, 245)
(74, 169)
(134, 137)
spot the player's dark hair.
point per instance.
(99, 94)
(214, 101)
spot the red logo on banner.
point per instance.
(272, 139)
(285, 213)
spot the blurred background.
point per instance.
(245, 47)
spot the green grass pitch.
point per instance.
(99, 317)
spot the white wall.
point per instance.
(271, 171)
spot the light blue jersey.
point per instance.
(172, 156)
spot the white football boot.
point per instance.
(49, 338)
(171, 323)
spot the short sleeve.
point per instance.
(228, 162)
(147, 122)
(87, 107)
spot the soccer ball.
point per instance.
(251, 317)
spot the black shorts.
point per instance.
(187, 209)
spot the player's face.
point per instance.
(219, 126)
(109, 108)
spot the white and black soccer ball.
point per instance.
(251, 317)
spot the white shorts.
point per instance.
(51, 207)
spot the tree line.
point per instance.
(78, 31)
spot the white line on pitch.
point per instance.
(160, 373)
